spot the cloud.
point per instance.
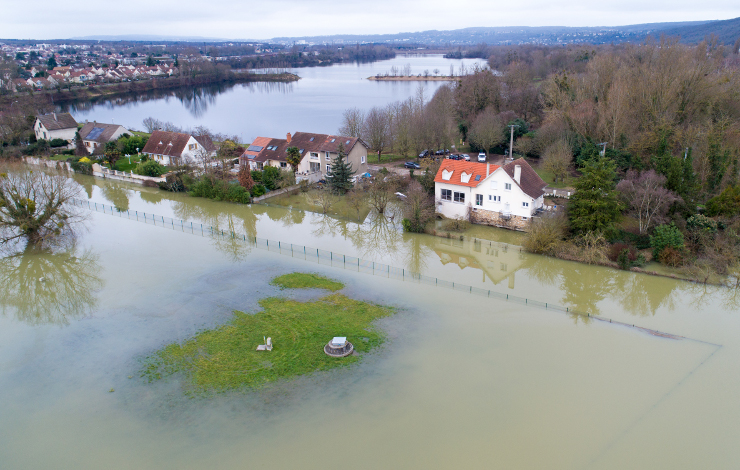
(262, 20)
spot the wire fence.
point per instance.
(352, 263)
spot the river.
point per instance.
(315, 103)
(463, 381)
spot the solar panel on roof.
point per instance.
(255, 148)
(95, 133)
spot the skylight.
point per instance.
(347, 143)
(301, 150)
(333, 140)
(477, 177)
(311, 139)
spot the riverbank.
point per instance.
(412, 78)
(92, 92)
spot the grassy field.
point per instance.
(306, 281)
(225, 358)
(550, 178)
(124, 165)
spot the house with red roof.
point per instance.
(317, 152)
(177, 148)
(503, 196)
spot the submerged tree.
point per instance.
(35, 205)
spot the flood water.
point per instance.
(463, 380)
(315, 103)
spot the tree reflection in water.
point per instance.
(117, 194)
(43, 287)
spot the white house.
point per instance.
(175, 148)
(55, 126)
(96, 134)
(504, 196)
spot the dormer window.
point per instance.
(465, 177)
(446, 175)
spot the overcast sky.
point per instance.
(238, 19)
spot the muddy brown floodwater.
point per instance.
(463, 380)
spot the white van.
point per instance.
(482, 157)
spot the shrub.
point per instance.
(727, 203)
(270, 177)
(211, 188)
(545, 234)
(671, 256)
(616, 250)
(699, 222)
(85, 160)
(80, 166)
(258, 190)
(150, 168)
(257, 176)
(666, 236)
(455, 225)
(57, 143)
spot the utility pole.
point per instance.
(511, 141)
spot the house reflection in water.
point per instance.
(497, 261)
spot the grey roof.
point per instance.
(57, 121)
(99, 132)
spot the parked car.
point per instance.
(423, 154)
(466, 157)
(482, 157)
(412, 165)
(455, 157)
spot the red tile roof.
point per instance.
(308, 142)
(458, 167)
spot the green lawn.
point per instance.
(225, 358)
(306, 281)
(124, 165)
(550, 178)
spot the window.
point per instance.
(494, 198)
(362, 158)
(446, 195)
(494, 184)
(314, 155)
(478, 199)
(333, 140)
(524, 218)
(328, 169)
(507, 186)
(315, 167)
(446, 175)
(283, 165)
(525, 204)
(347, 143)
(311, 139)
(328, 158)
(459, 197)
(192, 146)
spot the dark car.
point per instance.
(455, 157)
(423, 154)
(412, 165)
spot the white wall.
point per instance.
(66, 134)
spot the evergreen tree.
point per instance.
(595, 206)
(340, 177)
(294, 158)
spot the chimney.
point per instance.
(518, 174)
(488, 169)
(55, 116)
(288, 137)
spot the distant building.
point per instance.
(317, 152)
(504, 196)
(96, 134)
(56, 126)
(176, 148)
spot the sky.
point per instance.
(240, 19)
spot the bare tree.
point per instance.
(557, 159)
(151, 124)
(380, 192)
(647, 198)
(36, 205)
(356, 199)
(418, 208)
(487, 130)
(324, 199)
(352, 122)
(376, 130)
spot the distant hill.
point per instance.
(503, 35)
(727, 31)
(148, 37)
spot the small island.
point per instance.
(413, 78)
(224, 358)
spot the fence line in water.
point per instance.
(338, 260)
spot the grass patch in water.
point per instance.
(306, 281)
(225, 358)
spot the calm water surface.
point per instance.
(462, 381)
(315, 103)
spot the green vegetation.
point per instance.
(306, 281)
(225, 358)
(212, 188)
(595, 206)
(150, 168)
